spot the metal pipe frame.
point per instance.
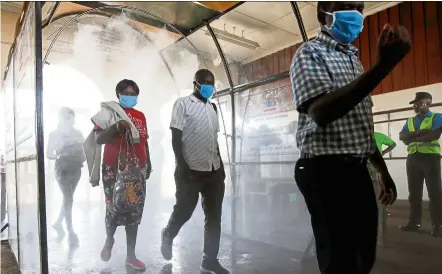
(51, 14)
(39, 140)
(233, 117)
(298, 15)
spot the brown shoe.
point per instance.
(411, 228)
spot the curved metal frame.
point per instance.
(39, 141)
(240, 88)
(231, 90)
(160, 53)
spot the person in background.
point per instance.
(111, 125)
(65, 147)
(383, 140)
(199, 169)
(335, 135)
(421, 134)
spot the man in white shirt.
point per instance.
(199, 169)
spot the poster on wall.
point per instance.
(26, 178)
(270, 123)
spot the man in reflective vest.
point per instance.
(421, 135)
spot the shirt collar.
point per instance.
(196, 100)
(331, 43)
(426, 115)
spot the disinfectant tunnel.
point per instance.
(68, 57)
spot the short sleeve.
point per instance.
(178, 115)
(437, 122)
(405, 128)
(309, 77)
(145, 125)
(387, 141)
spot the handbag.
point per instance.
(129, 190)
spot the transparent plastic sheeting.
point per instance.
(21, 142)
(82, 71)
(10, 158)
(87, 76)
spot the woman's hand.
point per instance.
(122, 127)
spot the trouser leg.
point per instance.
(415, 177)
(187, 195)
(212, 193)
(331, 197)
(434, 187)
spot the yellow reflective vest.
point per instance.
(432, 147)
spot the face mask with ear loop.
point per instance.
(206, 91)
(346, 26)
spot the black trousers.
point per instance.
(340, 198)
(420, 168)
(211, 186)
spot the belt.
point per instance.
(348, 158)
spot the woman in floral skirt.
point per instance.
(114, 138)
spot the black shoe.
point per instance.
(166, 245)
(437, 231)
(411, 228)
(213, 267)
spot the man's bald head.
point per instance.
(204, 76)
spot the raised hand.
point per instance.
(393, 44)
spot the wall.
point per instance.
(423, 66)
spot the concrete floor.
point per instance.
(405, 253)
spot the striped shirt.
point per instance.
(199, 123)
(321, 66)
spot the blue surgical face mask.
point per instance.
(346, 26)
(206, 90)
(128, 101)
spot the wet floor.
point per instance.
(238, 256)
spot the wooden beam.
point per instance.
(219, 6)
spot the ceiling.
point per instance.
(272, 24)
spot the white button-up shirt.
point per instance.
(199, 123)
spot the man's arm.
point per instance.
(378, 162)
(177, 125)
(333, 105)
(420, 136)
(177, 146)
(313, 88)
(428, 136)
(389, 148)
(51, 148)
